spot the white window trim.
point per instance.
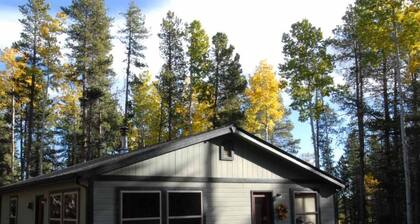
(185, 216)
(62, 219)
(77, 206)
(49, 207)
(140, 219)
(317, 213)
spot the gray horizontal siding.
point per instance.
(26, 215)
(202, 160)
(225, 202)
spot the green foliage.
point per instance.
(198, 66)
(133, 35)
(90, 43)
(173, 74)
(226, 83)
(282, 135)
(307, 67)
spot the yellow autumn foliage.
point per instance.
(15, 70)
(371, 184)
(147, 114)
(263, 94)
(202, 114)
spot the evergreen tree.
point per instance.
(172, 76)
(90, 43)
(306, 68)
(133, 35)
(226, 83)
(40, 46)
(328, 124)
(282, 135)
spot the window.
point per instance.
(306, 209)
(185, 207)
(226, 151)
(13, 208)
(70, 204)
(64, 208)
(140, 207)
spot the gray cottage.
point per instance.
(223, 176)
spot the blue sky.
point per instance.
(253, 27)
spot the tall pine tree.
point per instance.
(172, 76)
(226, 83)
(133, 35)
(90, 43)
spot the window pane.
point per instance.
(185, 221)
(299, 205)
(305, 202)
(70, 205)
(140, 205)
(142, 222)
(55, 206)
(309, 203)
(12, 221)
(184, 203)
(306, 219)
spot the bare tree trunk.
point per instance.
(89, 133)
(406, 161)
(22, 149)
(361, 137)
(314, 142)
(266, 126)
(12, 134)
(100, 133)
(75, 157)
(43, 127)
(32, 99)
(387, 147)
(160, 122)
(190, 99)
(28, 155)
(216, 93)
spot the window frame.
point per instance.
(14, 198)
(49, 207)
(317, 213)
(201, 216)
(64, 219)
(61, 220)
(121, 205)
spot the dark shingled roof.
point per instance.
(83, 171)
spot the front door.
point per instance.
(262, 208)
(39, 209)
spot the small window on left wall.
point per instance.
(64, 208)
(13, 208)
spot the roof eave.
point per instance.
(255, 140)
